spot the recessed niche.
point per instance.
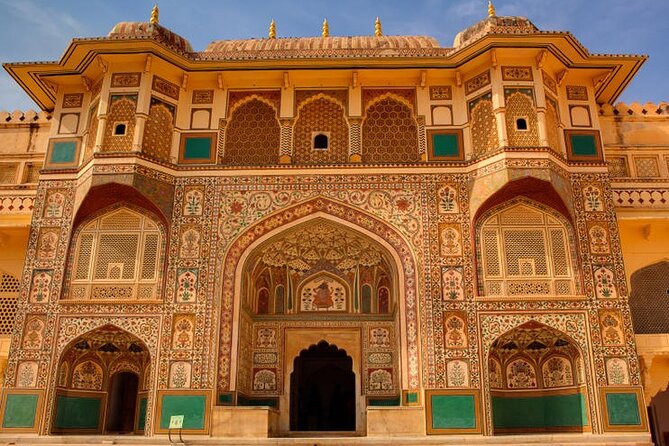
(521, 124)
(120, 128)
(320, 140)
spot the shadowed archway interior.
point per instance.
(322, 389)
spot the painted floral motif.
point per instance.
(457, 373)
(599, 243)
(520, 374)
(64, 372)
(264, 380)
(40, 286)
(26, 375)
(190, 243)
(617, 371)
(592, 199)
(380, 379)
(455, 334)
(54, 205)
(379, 338)
(611, 326)
(182, 337)
(605, 283)
(495, 374)
(187, 284)
(193, 199)
(180, 375)
(450, 242)
(34, 334)
(266, 338)
(451, 282)
(448, 203)
(87, 375)
(556, 372)
(47, 244)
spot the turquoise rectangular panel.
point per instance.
(383, 401)
(445, 145)
(539, 412)
(197, 148)
(411, 397)
(583, 145)
(141, 416)
(623, 409)
(20, 411)
(453, 412)
(225, 398)
(63, 152)
(73, 412)
(192, 407)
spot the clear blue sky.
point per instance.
(33, 30)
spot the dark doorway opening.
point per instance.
(322, 390)
(658, 412)
(122, 403)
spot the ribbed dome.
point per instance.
(494, 25)
(144, 30)
(320, 43)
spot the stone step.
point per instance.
(465, 440)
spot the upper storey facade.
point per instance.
(355, 101)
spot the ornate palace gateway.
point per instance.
(334, 236)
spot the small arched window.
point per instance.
(321, 141)
(524, 251)
(117, 257)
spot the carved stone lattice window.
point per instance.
(524, 251)
(116, 258)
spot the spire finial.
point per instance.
(378, 32)
(326, 28)
(491, 9)
(272, 30)
(154, 15)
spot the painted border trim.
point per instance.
(475, 393)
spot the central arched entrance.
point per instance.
(322, 390)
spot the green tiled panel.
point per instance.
(63, 152)
(141, 416)
(383, 401)
(583, 145)
(192, 407)
(445, 145)
(20, 411)
(197, 148)
(453, 412)
(539, 411)
(411, 397)
(225, 398)
(77, 412)
(623, 409)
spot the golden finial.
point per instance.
(154, 15)
(491, 9)
(272, 30)
(326, 28)
(377, 28)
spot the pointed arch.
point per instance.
(319, 207)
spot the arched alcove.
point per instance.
(102, 384)
(536, 381)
